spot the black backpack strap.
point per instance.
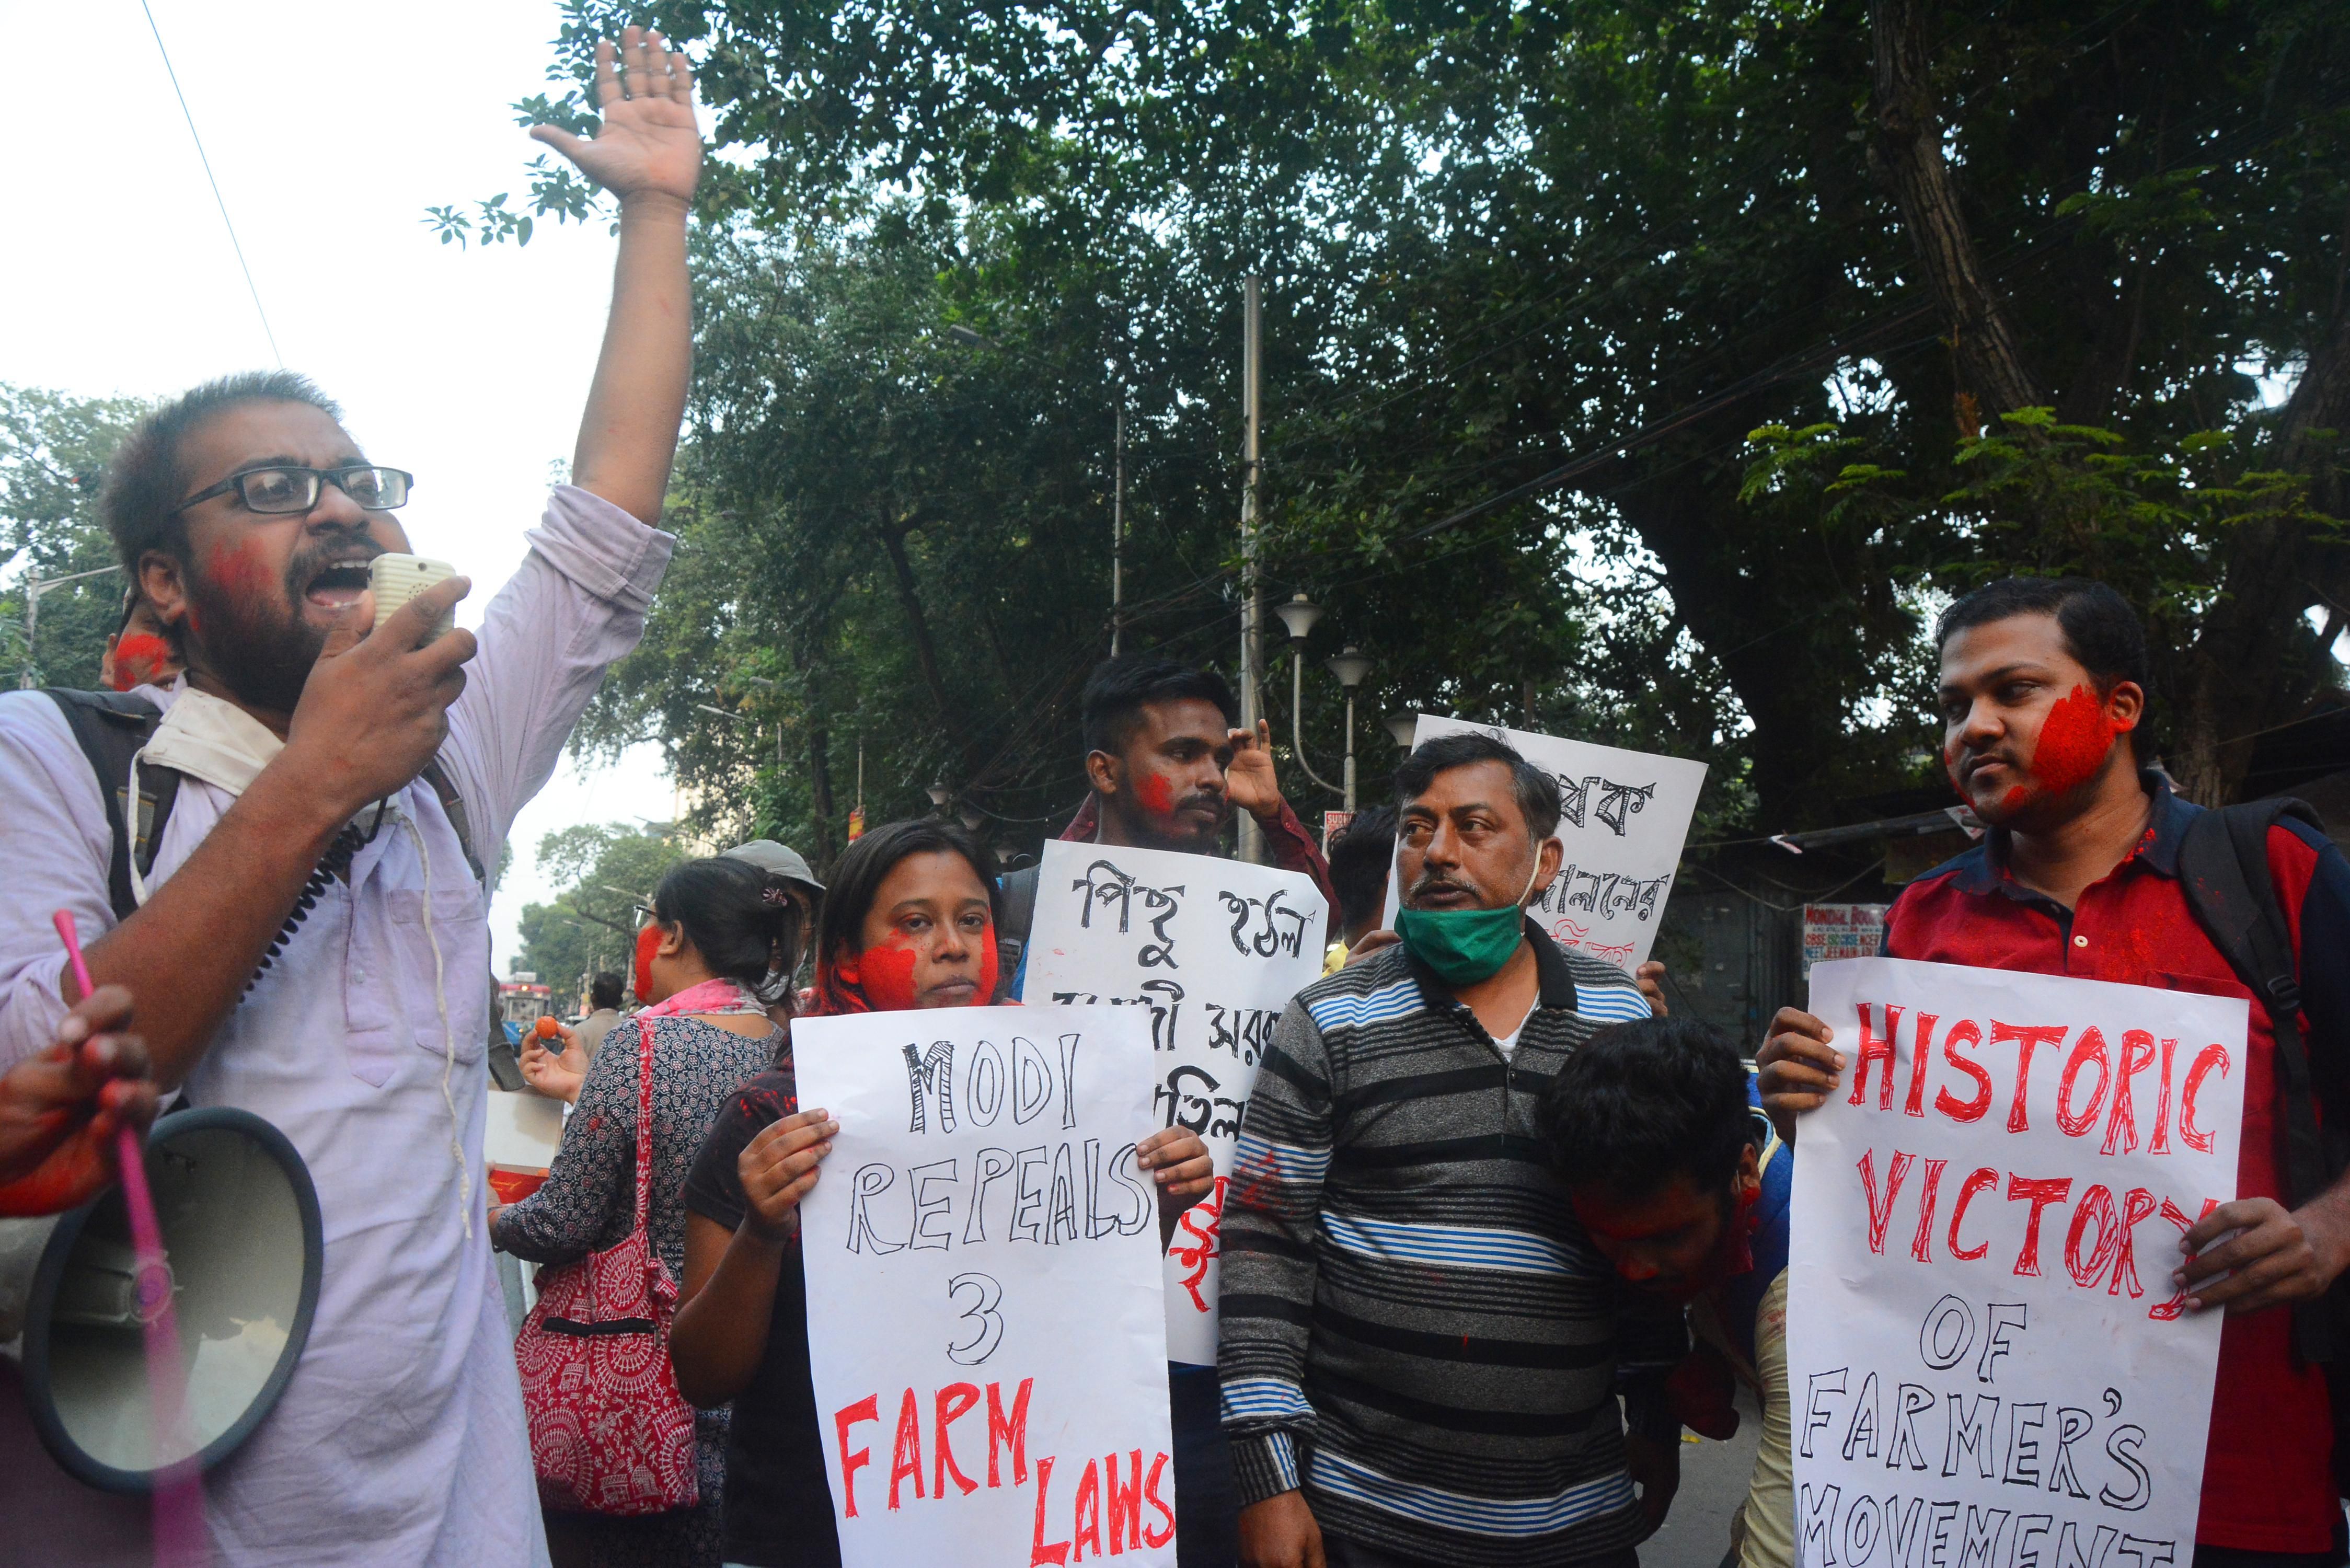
(454, 804)
(110, 727)
(2223, 868)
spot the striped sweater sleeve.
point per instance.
(1271, 1214)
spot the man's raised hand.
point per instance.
(646, 146)
(1250, 782)
(375, 708)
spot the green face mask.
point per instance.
(1465, 946)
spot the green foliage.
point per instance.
(53, 451)
(1532, 277)
(610, 871)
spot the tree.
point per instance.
(53, 449)
(1534, 276)
(610, 871)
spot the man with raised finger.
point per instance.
(296, 898)
(2086, 871)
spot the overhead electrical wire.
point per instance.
(218, 199)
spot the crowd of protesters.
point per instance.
(1500, 1228)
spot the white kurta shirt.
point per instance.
(400, 1439)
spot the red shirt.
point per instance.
(2268, 1483)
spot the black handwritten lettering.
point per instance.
(987, 1332)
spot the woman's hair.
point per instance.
(741, 931)
(858, 880)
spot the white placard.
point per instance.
(983, 1284)
(1214, 949)
(1987, 1365)
(1623, 819)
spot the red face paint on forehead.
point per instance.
(1158, 797)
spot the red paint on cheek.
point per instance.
(987, 965)
(2075, 741)
(648, 941)
(887, 977)
(1158, 797)
(138, 657)
(237, 569)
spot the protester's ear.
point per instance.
(1102, 772)
(163, 584)
(1551, 856)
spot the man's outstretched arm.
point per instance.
(648, 153)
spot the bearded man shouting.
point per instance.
(302, 932)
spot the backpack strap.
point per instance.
(454, 804)
(2223, 868)
(112, 727)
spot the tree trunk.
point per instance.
(1986, 352)
(926, 653)
(2233, 684)
(820, 793)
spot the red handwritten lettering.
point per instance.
(2161, 1141)
(2121, 1124)
(1921, 1246)
(1876, 1047)
(2041, 1191)
(1154, 1539)
(1013, 1433)
(2090, 1047)
(2190, 1134)
(1125, 1502)
(1040, 1550)
(2027, 1039)
(1968, 1110)
(2166, 1311)
(1923, 1053)
(1880, 1215)
(906, 1451)
(1983, 1176)
(866, 1409)
(1086, 1526)
(954, 1401)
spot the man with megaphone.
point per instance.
(294, 896)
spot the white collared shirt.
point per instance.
(400, 1438)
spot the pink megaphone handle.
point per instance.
(179, 1540)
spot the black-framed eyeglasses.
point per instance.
(280, 488)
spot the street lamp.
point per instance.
(1299, 615)
(1351, 667)
(1399, 726)
(33, 589)
(939, 792)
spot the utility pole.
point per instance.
(1118, 534)
(33, 589)
(1252, 837)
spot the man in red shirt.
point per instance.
(2042, 686)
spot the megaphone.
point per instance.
(244, 1248)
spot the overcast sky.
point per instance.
(330, 127)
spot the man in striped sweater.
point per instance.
(1420, 1350)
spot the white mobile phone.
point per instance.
(397, 578)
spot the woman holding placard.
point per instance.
(909, 922)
